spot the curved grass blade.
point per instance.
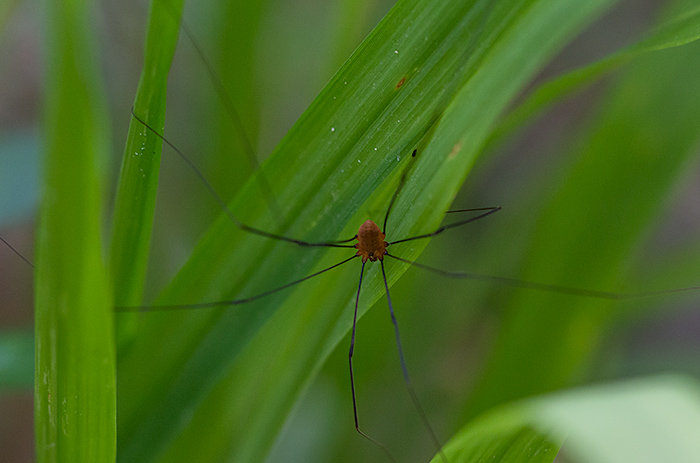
(507, 435)
(138, 180)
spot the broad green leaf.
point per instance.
(75, 384)
(432, 76)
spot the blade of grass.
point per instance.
(138, 181)
(461, 64)
(508, 435)
(75, 409)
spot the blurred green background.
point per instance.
(469, 346)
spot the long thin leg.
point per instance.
(352, 376)
(404, 370)
(471, 210)
(225, 208)
(206, 305)
(17, 252)
(491, 210)
(542, 286)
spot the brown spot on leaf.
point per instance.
(455, 150)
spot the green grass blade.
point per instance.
(138, 181)
(508, 435)
(75, 409)
(240, 371)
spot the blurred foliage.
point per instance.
(599, 193)
(74, 338)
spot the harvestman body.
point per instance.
(370, 242)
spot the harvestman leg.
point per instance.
(352, 376)
(404, 370)
(17, 252)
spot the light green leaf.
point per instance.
(509, 435)
(644, 420)
(641, 421)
